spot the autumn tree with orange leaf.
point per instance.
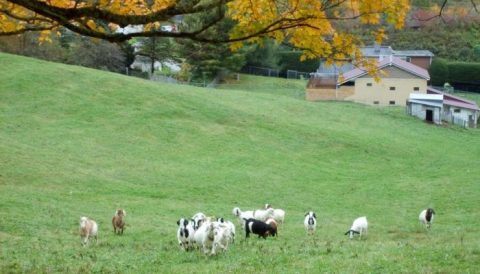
(304, 24)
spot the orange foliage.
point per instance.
(306, 24)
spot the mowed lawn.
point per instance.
(80, 142)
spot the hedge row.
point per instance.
(442, 71)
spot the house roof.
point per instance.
(434, 100)
(375, 51)
(423, 96)
(426, 103)
(386, 62)
(454, 101)
(323, 69)
(413, 53)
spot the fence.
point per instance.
(455, 120)
(293, 74)
(261, 71)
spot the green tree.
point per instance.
(209, 60)
(156, 49)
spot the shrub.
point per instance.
(464, 73)
(439, 73)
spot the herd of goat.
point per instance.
(214, 235)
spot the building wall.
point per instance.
(420, 111)
(423, 62)
(319, 94)
(380, 93)
(462, 114)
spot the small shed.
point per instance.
(458, 110)
(427, 107)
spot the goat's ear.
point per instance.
(346, 233)
(178, 222)
(306, 214)
(314, 215)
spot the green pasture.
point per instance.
(81, 142)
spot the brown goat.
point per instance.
(118, 222)
(274, 225)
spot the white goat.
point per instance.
(204, 236)
(185, 233)
(359, 226)
(230, 226)
(426, 217)
(242, 215)
(263, 214)
(278, 214)
(310, 222)
(88, 229)
(222, 236)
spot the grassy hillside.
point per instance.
(76, 142)
(270, 85)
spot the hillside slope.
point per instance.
(80, 142)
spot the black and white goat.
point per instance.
(426, 217)
(310, 222)
(260, 228)
(185, 233)
(359, 226)
(198, 219)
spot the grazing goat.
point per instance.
(359, 226)
(278, 214)
(198, 219)
(88, 229)
(222, 236)
(426, 217)
(204, 236)
(242, 215)
(118, 222)
(310, 222)
(230, 226)
(263, 214)
(274, 225)
(185, 233)
(258, 227)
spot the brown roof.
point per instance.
(389, 61)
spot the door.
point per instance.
(429, 116)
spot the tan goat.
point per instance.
(88, 229)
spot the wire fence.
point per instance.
(294, 74)
(261, 71)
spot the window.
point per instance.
(391, 102)
(416, 88)
(376, 102)
(369, 84)
(457, 110)
(392, 88)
